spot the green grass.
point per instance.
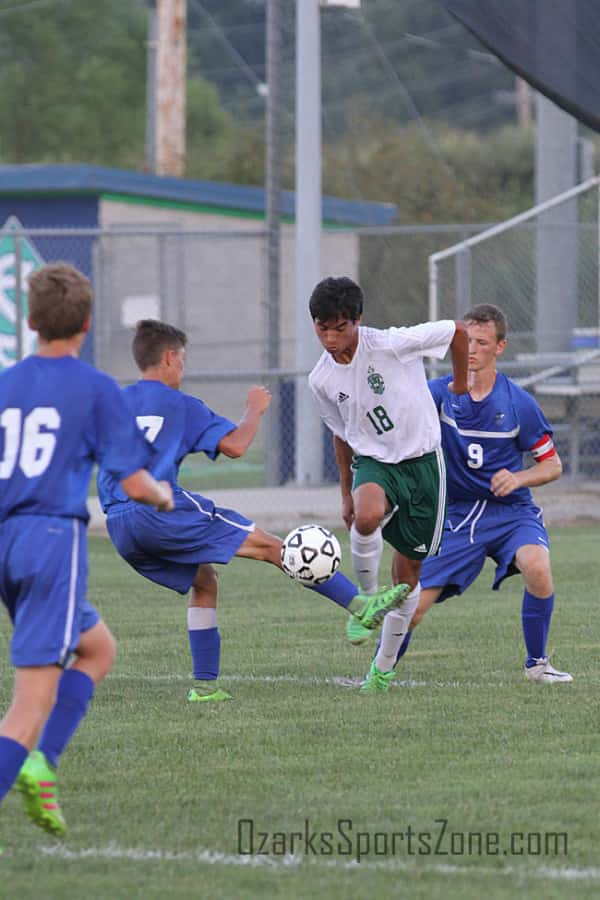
(153, 788)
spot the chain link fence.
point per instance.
(212, 284)
(542, 269)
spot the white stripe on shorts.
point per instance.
(68, 635)
(248, 528)
(441, 510)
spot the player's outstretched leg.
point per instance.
(370, 609)
(356, 633)
(37, 783)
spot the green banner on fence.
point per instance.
(30, 260)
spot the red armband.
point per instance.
(543, 449)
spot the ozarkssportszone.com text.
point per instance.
(441, 840)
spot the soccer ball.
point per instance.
(311, 554)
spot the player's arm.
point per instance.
(343, 458)
(547, 468)
(459, 352)
(143, 488)
(236, 442)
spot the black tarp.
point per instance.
(552, 44)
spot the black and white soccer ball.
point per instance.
(311, 554)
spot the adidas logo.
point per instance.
(341, 397)
(420, 549)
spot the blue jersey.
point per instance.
(175, 424)
(57, 417)
(480, 437)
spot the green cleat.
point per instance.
(37, 783)
(197, 695)
(377, 682)
(355, 632)
(373, 607)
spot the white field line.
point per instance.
(295, 861)
(338, 681)
(335, 680)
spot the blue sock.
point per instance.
(12, 757)
(75, 690)
(339, 589)
(536, 613)
(205, 644)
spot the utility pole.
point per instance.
(151, 85)
(308, 428)
(523, 96)
(309, 444)
(556, 247)
(171, 87)
(273, 216)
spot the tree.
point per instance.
(456, 176)
(210, 132)
(72, 83)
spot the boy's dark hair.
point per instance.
(152, 338)
(487, 312)
(335, 298)
(60, 301)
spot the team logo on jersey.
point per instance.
(341, 397)
(375, 381)
(499, 417)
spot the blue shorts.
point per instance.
(474, 531)
(168, 547)
(43, 577)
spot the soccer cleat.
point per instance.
(355, 632)
(216, 696)
(37, 783)
(543, 673)
(377, 682)
(375, 606)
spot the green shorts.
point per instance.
(416, 488)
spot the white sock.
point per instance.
(366, 552)
(201, 617)
(395, 626)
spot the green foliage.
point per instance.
(447, 176)
(72, 89)
(72, 84)
(244, 161)
(470, 178)
(209, 131)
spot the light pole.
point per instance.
(309, 456)
(273, 215)
(309, 444)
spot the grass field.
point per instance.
(153, 788)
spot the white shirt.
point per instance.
(380, 403)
